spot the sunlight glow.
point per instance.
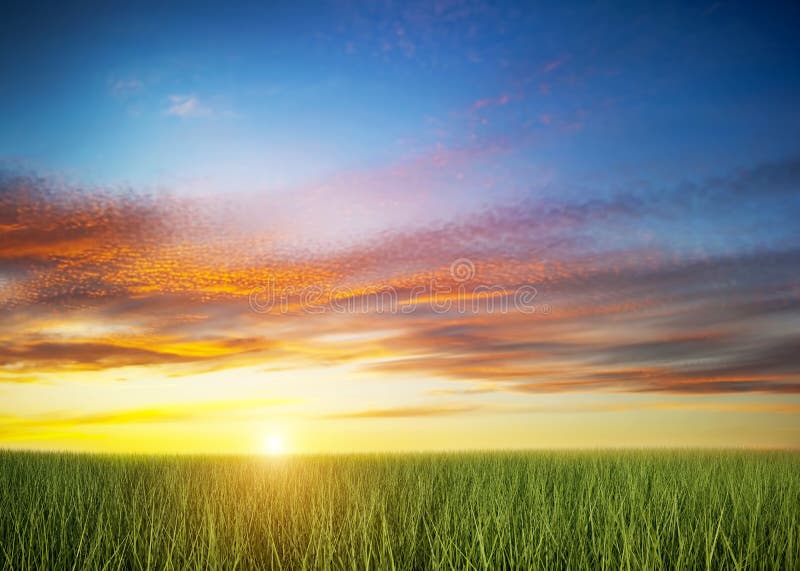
(274, 445)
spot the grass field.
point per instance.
(604, 510)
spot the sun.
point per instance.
(274, 445)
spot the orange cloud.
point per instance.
(166, 283)
(404, 412)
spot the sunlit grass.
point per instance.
(501, 510)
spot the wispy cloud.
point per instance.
(11, 426)
(187, 106)
(123, 87)
(499, 101)
(554, 64)
(403, 412)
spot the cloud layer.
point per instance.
(635, 303)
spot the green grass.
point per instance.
(564, 510)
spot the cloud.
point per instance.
(15, 427)
(125, 87)
(554, 64)
(630, 312)
(403, 412)
(187, 106)
(499, 101)
(691, 335)
(40, 356)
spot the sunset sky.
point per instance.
(625, 178)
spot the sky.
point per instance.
(351, 227)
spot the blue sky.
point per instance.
(278, 95)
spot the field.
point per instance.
(566, 510)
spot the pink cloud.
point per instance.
(554, 64)
(499, 101)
